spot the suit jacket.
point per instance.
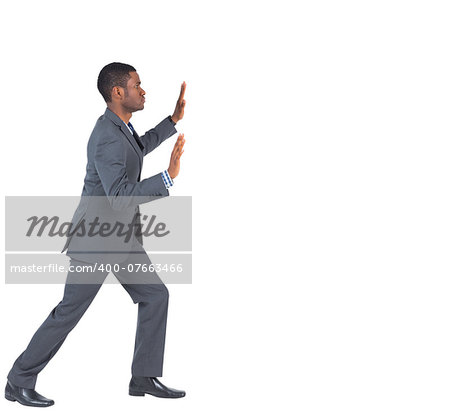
(113, 189)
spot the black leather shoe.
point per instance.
(139, 386)
(25, 396)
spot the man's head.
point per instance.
(119, 84)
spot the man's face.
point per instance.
(134, 94)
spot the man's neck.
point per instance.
(123, 115)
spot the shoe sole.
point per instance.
(137, 393)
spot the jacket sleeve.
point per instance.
(110, 164)
(154, 137)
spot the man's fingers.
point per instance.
(183, 89)
(177, 150)
(180, 140)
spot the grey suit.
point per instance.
(112, 188)
(112, 191)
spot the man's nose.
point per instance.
(143, 92)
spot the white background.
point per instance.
(317, 155)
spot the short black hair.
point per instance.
(113, 74)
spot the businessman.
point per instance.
(112, 191)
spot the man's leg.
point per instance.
(52, 333)
(149, 292)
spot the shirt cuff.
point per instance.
(171, 121)
(167, 180)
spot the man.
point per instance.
(112, 191)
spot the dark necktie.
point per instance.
(136, 137)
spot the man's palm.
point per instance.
(174, 166)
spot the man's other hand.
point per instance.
(179, 108)
(174, 166)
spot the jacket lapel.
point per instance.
(118, 121)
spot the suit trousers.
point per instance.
(145, 288)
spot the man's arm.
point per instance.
(110, 165)
(154, 137)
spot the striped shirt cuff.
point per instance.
(167, 180)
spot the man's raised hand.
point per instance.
(174, 166)
(179, 108)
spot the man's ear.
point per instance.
(117, 93)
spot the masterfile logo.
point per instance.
(38, 229)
